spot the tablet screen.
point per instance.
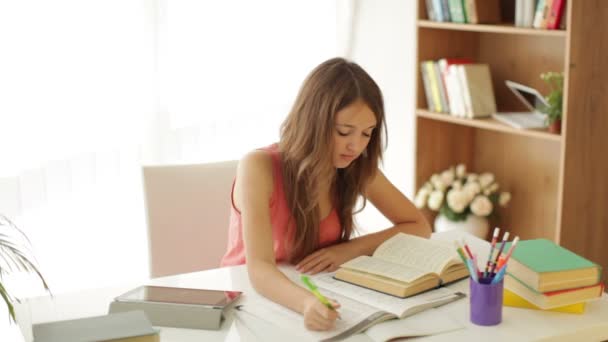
(162, 294)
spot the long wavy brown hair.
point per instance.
(306, 146)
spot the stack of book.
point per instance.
(543, 275)
(540, 14)
(464, 11)
(459, 87)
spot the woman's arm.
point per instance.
(394, 206)
(253, 188)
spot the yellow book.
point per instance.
(511, 299)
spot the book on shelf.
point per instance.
(405, 265)
(552, 299)
(458, 11)
(438, 82)
(524, 12)
(511, 299)
(132, 326)
(440, 14)
(477, 90)
(539, 14)
(555, 14)
(361, 310)
(435, 93)
(545, 266)
(430, 10)
(448, 78)
(482, 11)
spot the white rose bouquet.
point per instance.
(456, 194)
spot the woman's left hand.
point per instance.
(326, 259)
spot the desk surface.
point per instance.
(517, 324)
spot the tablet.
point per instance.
(178, 295)
(530, 97)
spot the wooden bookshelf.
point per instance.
(507, 28)
(489, 124)
(559, 183)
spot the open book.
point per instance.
(405, 265)
(360, 309)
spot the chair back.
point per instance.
(187, 208)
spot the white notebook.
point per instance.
(361, 309)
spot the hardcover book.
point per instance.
(553, 299)
(405, 265)
(132, 326)
(510, 298)
(545, 266)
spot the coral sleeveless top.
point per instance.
(329, 230)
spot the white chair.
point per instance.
(188, 208)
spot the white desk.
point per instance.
(517, 324)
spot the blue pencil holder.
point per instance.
(486, 302)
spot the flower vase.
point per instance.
(476, 225)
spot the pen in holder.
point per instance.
(486, 301)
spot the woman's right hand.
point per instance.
(317, 316)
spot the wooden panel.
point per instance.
(528, 168)
(584, 197)
(521, 59)
(506, 28)
(440, 145)
(490, 124)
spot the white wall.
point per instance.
(384, 45)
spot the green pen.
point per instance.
(313, 288)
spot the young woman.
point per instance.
(294, 201)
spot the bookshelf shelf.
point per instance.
(507, 28)
(488, 124)
(558, 182)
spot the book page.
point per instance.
(417, 252)
(395, 305)
(384, 268)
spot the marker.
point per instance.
(472, 270)
(498, 277)
(511, 249)
(313, 288)
(467, 249)
(505, 237)
(460, 252)
(494, 238)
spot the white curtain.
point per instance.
(90, 90)
(230, 70)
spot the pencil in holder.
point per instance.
(486, 302)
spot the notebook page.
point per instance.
(414, 251)
(351, 312)
(384, 302)
(426, 323)
(384, 268)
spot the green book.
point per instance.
(545, 266)
(457, 11)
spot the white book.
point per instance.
(454, 93)
(519, 13)
(529, 6)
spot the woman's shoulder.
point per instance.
(257, 163)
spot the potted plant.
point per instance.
(14, 258)
(553, 109)
(464, 200)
